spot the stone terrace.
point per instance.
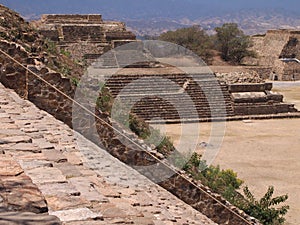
(84, 36)
(43, 166)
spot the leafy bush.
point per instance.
(75, 81)
(263, 209)
(226, 183)
(65, 70)
(165, 146)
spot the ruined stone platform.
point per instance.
(45, 178)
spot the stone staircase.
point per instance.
(172, 96)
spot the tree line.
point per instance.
(229, 40)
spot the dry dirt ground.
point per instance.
(262, 152)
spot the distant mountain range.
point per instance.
(152, 17)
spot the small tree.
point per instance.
(233, 43)
(263, 209)
(192, 38)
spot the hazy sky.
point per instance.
(133, 8)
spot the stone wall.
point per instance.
(12, 75)
(82, 33)
(46, 98)
(291, 72)
(30, 87)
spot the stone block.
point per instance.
(77, 215)
(46, 175)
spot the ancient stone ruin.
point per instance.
(34, 81)
(84, 36)
(272, 48)
(88, 37)
(60, 151)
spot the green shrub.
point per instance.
(264, 209)
(226, 183)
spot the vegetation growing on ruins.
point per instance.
(51, 47)
(105, 100)
(226, 183)
(264, 209)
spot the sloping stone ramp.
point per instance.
(45, 178)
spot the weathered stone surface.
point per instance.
(43, 144)
(16, 139)
(17, 218)
(111, 211)
(64, 202)
(17, 190)
(77, 214)
(69, 170)
(9, 167)
(21, 146)
(46, 175)
(32, 164)
(58, 189)
(74, 158)
(87, 189)
(55, 156)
